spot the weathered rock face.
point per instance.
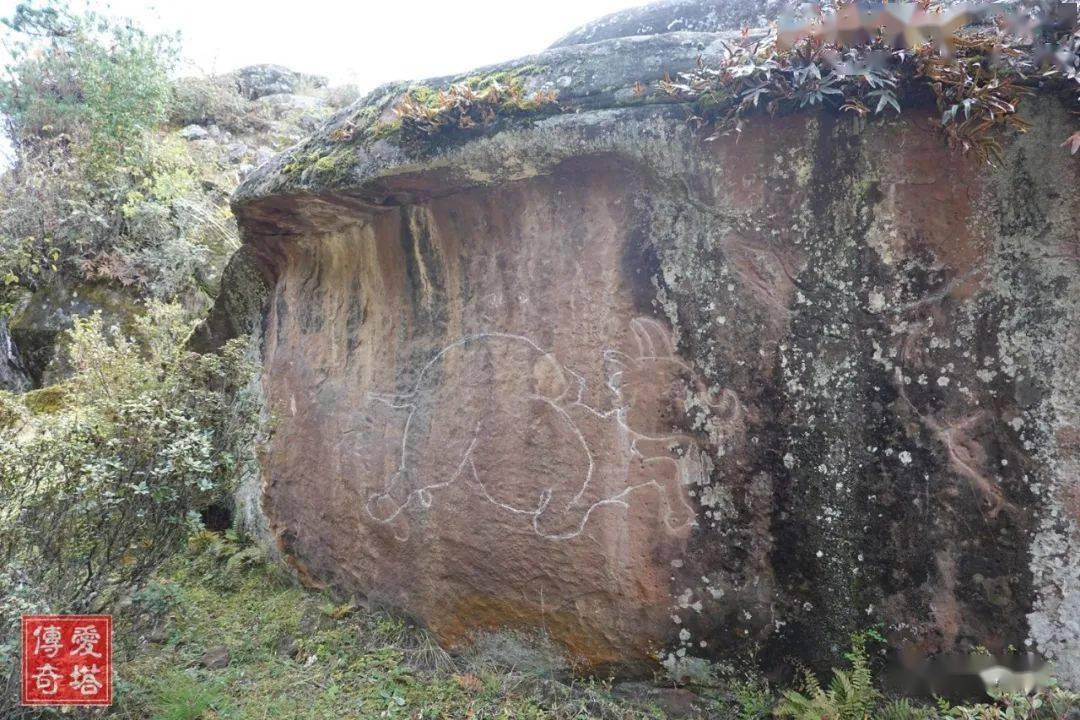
(651, 398)
(38, 327)
(257, 81)
(13, 375)
(678, 16)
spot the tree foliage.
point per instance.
(96, 191)
(84, 77)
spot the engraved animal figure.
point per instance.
(499, 413)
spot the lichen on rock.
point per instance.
(668, 402)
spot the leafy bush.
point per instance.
(92, 499)
(1050, 703)
(96, 192)
(978, 86)
(424, 113)
(84, 74)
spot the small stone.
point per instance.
(288, 647)
(215, 658)
(193, 132)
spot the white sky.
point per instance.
(360, 42)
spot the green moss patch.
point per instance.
(46, 401)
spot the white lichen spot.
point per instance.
(905, 457)
(943, 381)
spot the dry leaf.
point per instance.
(1073, 140)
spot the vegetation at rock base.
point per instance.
(293, 653)
(97, 491)
(103, 476)
(977, 88)
(297, 654)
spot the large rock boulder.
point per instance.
(256, 81)
(592, 381)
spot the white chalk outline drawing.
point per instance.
(651, 347)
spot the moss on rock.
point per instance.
(47, 400)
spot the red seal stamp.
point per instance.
(67, 660)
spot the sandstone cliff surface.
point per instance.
(591, 382)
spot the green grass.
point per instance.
(297, 654)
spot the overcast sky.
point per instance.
(361, 42)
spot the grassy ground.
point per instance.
(293, 654)
(286, 653)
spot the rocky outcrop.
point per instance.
(13, 375)
(39, 325)
(257, 81)
(594, 383)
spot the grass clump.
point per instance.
(47, 400)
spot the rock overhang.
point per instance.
(742, 260)
(601, 77)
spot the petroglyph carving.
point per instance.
(599, 451)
